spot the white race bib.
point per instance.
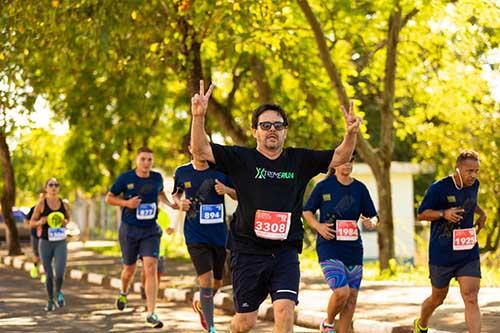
(56, 234)
(211, 214)
(146, 211)
(464, 239)
(346, 230)
(272, 225)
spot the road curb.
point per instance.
(222, 300)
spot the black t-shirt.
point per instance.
(269, 185)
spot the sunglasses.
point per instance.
(266, 125)
(53, 185)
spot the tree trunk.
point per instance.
(386, 227)
(8, 198)
(258, 69)
(220, 111)
(378, 159)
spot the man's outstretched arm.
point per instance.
(343, 152)
(200, 147)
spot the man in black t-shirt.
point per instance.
(266, 234)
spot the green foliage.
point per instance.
(37, 158)
(122, 73)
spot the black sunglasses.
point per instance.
(266, 125)
(53, 185)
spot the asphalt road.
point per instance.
(91, 309)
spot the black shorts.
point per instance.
(206, 258)
(441, 275)
(256, 276)
(136, 241)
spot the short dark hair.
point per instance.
(267, 107)
(467, 154)
(144, 149)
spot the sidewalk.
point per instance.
(381, 308)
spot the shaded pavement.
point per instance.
(390, 303)
(90, 308)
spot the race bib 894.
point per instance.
(211, 214)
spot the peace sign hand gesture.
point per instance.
(351, 120)
(199, 102)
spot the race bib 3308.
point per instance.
(272, 225)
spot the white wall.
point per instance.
(402, 206)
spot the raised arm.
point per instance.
(200, 146)
(344, 151)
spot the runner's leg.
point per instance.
(345, 319)
(47, 253)
(243, 322)
(469, 289)
(206, 281)
(151, 273)
(283, 315)
(61, 256)
(336, 277)
(431, 303)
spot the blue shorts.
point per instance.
(257, 276)
(338, 275)
(136, 241)
(441, 275)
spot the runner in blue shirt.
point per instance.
(342, 201)
(205, 229)
(138, 191)
(450, 205)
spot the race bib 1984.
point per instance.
(346, 230)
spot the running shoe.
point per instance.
(326, 328)
(34, 272)
(121, 302)
(212, 330)
(50, 305)
(197, 309)
(417, 328)
(153, 321)
(60, 299)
